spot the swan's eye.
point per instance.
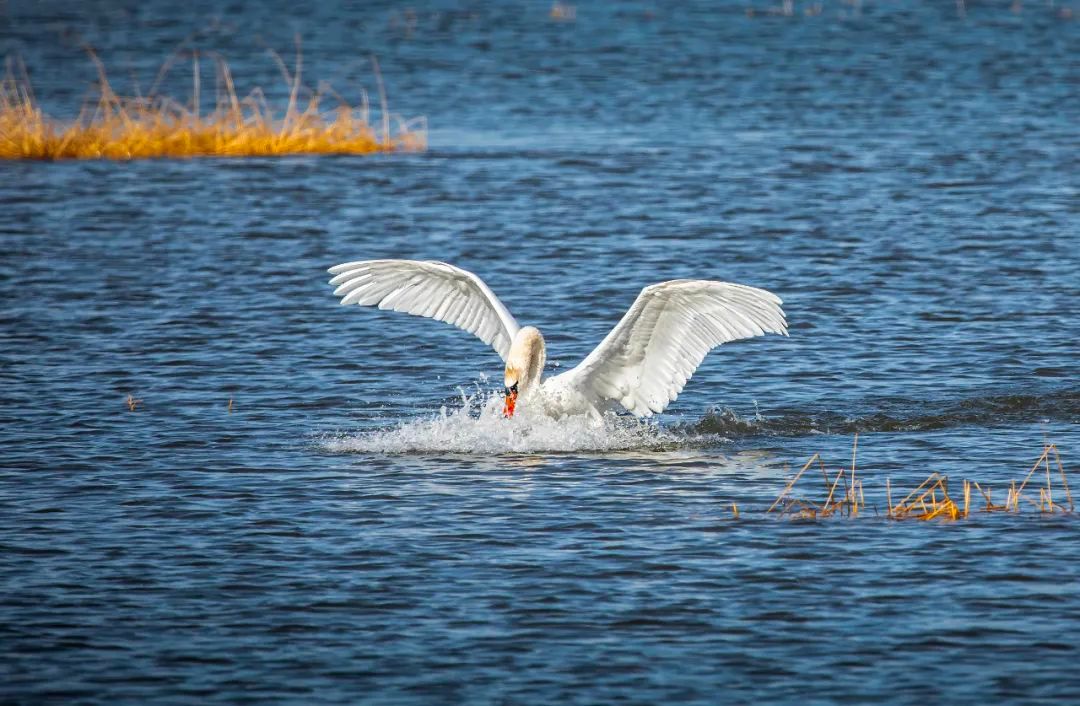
(510, 390)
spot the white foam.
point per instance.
(477, 426)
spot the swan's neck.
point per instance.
(525, 364)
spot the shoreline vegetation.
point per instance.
(154, 126)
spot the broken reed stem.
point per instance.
(854, 448)
(1064, 483)
(1016, 498)
(1049, 488)
(932, 477)
(791, 484)
(904, 508)
(832, 490)
(848, 490)
(158, 126)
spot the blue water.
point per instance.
(354, 530)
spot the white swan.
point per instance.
(641, 365)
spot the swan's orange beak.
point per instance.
(510, 401)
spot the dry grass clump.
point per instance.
(924, 502)
(1046, 494)
(116, 127)
(847, 502)
(931, 500)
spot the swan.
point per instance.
(642, 365)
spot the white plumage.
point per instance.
(432, 289)
(642, 365)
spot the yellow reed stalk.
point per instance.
(1064, 482)
(735, 511)
(945, 506)
(854, 448)
(157, 126)
(788, 487)
(933, 514)
(1038, 462)
(1049, 487)
(888, 498)
(828, 501)
(846, 501)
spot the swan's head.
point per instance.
(524, 365)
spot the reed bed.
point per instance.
(125, 128)
(842, 494)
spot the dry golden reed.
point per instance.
(930, 500)
(846, 500)
(116, 127)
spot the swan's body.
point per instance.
(642, 365)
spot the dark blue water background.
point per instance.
(904, 175)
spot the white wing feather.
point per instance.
(428, 288)
(644, 363)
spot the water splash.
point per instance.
(477, 426)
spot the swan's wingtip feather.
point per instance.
(338, 269)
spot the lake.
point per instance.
(306, 503)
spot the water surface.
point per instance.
(353, 530)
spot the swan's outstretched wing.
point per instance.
(647, 358)
(428, 288)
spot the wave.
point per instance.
(897, 416)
